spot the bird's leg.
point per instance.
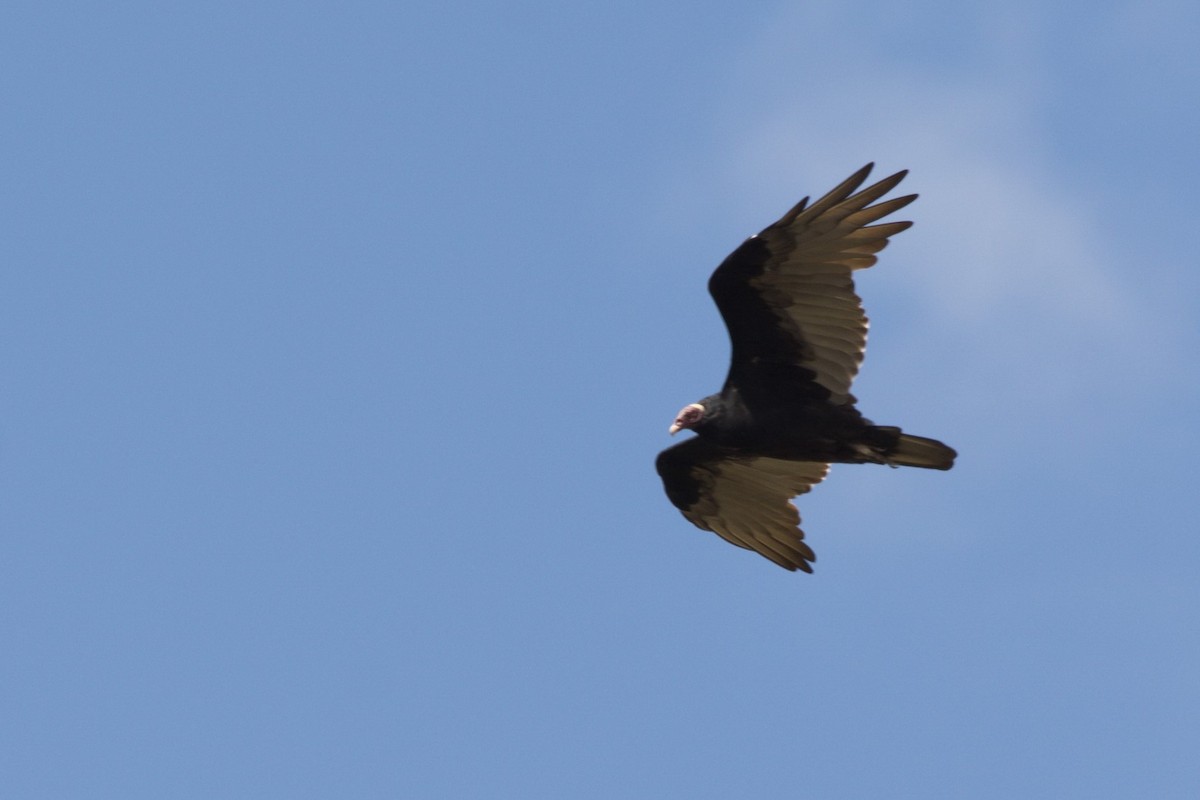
(873, 455)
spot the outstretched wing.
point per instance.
(745, 500)
(787, 295)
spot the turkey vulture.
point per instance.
(785, 412)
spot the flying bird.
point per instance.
(785, 412)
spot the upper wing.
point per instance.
(743, 499)
(787, 295)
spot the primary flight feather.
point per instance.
(785, 412)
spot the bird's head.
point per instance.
(688, 417)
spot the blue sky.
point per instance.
(338, 340)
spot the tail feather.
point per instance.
(917, 451)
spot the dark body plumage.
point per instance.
(785, 413)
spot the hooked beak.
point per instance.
(688, 416)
